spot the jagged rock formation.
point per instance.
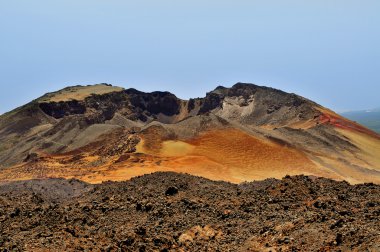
(245, 132)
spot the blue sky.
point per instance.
(325, 50)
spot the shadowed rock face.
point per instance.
(178, 212)
(210, 102)
(137, 105)
(61, 109)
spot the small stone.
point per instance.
(148, 207)
(339, 239)
(185, 238)
(172, 190)
(370, 204)
(140, 231)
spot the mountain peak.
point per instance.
(239, 133)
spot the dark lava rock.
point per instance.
(172, 190)
(135, 215)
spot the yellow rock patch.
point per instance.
(176, 148)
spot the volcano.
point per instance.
(246, 132)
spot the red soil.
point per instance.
(343, 123)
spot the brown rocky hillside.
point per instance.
(246, 132)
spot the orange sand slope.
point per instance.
(228, 154)
(225, 154)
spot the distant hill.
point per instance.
(369, 118)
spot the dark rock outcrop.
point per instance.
(64, 108)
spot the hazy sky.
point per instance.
(326, 50)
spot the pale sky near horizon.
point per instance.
(325, 50)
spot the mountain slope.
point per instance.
(245, 132)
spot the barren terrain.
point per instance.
(177, 212)
(243, 133)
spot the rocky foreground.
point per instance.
(177, 212)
